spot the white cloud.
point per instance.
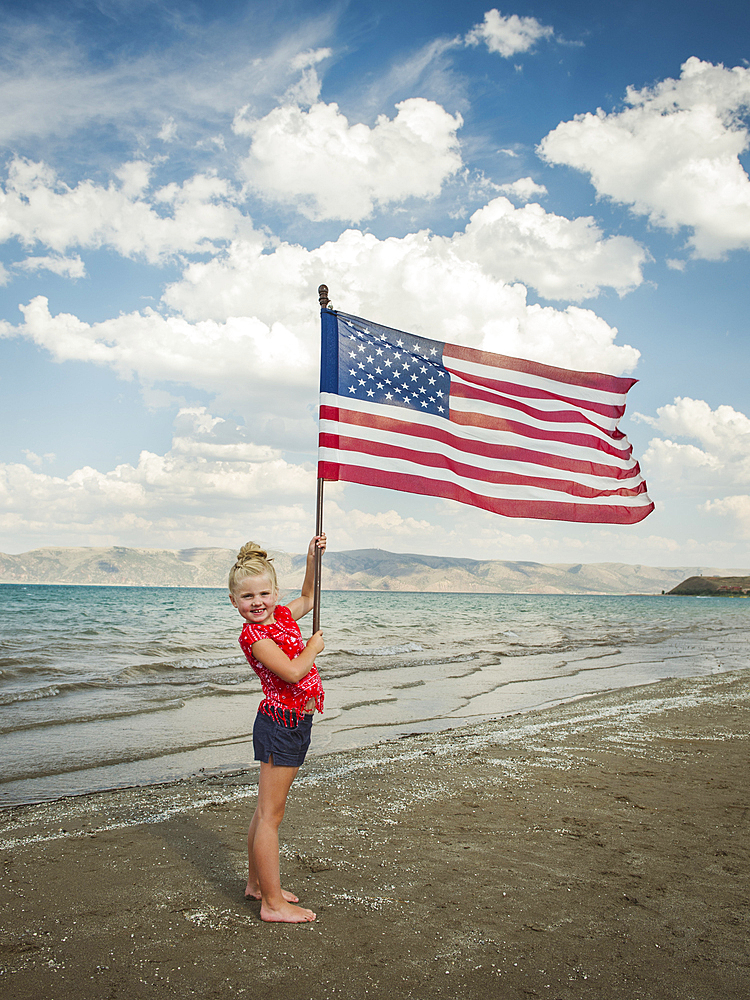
(168, 131)
(307, 89)
(421, 283)
(561, 258)
(4, 275)
(37, 207)
(719, 462)
(524, 189)
(318, 163)
(206, 489)
(67, 267)
(508, 35)
(735, 507)
(241, 358)
(50, 87)
(673, 155)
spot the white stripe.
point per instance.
(427, 446)
(492, 490)
(550, 404)
(484, 435)
(550, 385)
(500, 412)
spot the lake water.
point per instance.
(105, 687)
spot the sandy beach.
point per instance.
(595, 849)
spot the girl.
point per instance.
(292, 691)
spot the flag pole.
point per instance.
(325, 303)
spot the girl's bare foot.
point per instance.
(286, 913)
(253, 892)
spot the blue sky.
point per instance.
(560, 181)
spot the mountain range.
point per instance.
(357, 569)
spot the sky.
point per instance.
(561, 181)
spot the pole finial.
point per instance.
(325, 302)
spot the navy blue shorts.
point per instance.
(288, 746)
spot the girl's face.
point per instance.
(255, 599)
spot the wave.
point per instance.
(407, 647)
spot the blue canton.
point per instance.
(386, 366)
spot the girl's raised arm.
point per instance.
(268, 653)
(302, 604)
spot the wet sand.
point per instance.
(599, 849)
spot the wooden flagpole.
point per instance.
(325, 303)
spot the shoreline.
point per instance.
(600, 846)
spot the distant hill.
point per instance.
(713, 586)
(359, 569)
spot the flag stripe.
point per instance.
(338, 448)
(378, 426)
(542, 408)
(590, 385)
(509, 507)
(471, 431)
(480, 415)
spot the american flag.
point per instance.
(514, 437)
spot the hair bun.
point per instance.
(251, 550)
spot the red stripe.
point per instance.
(479, 475)
(591, 380)
(566, 416)
(539, 434)
(511, 453)
(612, 411)
(546, 510)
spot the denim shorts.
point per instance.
(288, 746)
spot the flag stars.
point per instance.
(391, 371)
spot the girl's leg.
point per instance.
(273, 788)
(252, 889)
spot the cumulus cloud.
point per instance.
(445, 288)
(241, 358)
(315, 161)
(36, 206)
(561, 258)
(211, 482)
(719, 461)
(508, 35)
(247, 326)
(673, 155)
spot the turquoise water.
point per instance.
(103, 687)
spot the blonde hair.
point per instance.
(252, 560)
